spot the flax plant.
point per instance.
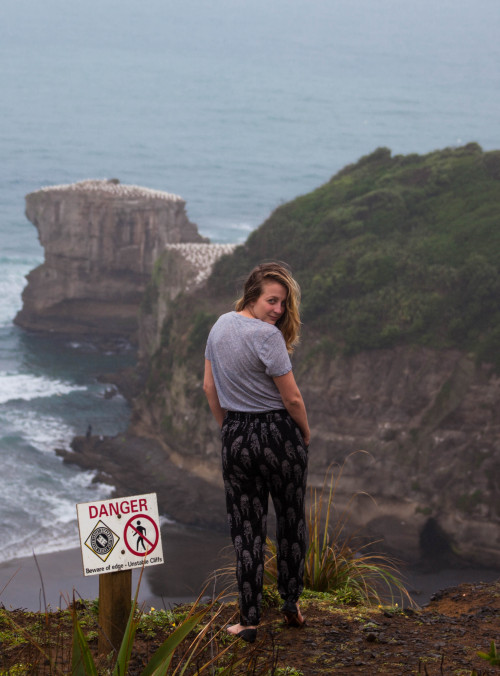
(333, 563)
(203, 647)
(197, 644)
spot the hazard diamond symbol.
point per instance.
(102, 540)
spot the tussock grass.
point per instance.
(334, 563)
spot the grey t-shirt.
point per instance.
(245, 355)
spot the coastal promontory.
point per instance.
(398, 259)
(101, 239)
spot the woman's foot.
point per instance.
(248, 634)
(293, 616)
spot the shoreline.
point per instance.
(198, 508)
(139, 465)
(190, 556)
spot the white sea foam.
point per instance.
(52, 535)
(18, 386)
(228, 232)
(44, 433)
(61, 508)
(41, 541)
(39, 512)
(246, 227)
(12, 283)
(166, 520)
(40, 492)
(56, 530)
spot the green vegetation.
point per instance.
(202, 322)
(392, 250)
(469, 501)
(337, 638)
(492, 656)
(83, 663)
(65, 642)
(334, 565)
(335, 573)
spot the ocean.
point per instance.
(237, 106)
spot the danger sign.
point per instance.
(119, 534)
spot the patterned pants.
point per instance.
(262, 454)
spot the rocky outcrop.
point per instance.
(138, 465)
(413, 433)
(399, 357)
(181, 268)
(101, 240)
(429, 421)
(412, 437)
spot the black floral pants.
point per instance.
(262, 454)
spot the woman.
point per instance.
(253, 396)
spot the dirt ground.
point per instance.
(442, 638)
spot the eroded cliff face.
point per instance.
(427, 422)
(101, 240)
(181, 269)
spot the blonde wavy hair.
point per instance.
(289, 322)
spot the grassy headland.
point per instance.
(398, 259)
(392, 250)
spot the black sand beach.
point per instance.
(191, 555)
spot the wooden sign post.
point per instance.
(115, 602)
(116, 536)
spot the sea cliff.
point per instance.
(399, 262)
(101, 239)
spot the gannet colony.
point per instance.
(202, 256)
(113, 188)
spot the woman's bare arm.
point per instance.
(211, 394)
(294, 404)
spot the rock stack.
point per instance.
(101, 239)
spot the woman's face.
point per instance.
(271, 303)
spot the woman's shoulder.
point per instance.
(224, 321)
(247, 325)
(227, 317)
(256, 326)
